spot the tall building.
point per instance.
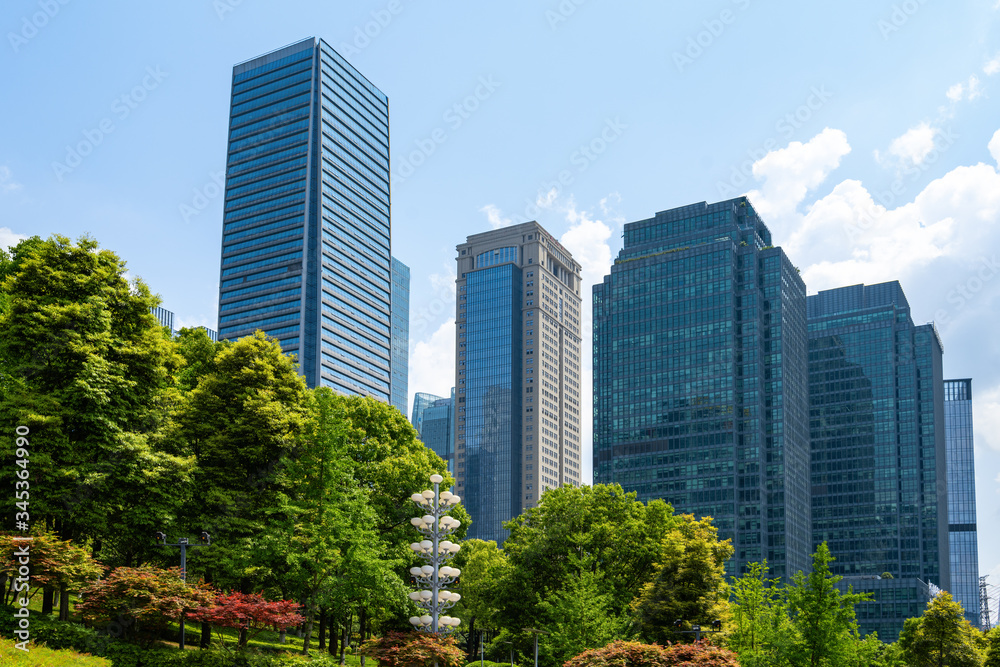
(876, 411)
(517, 376)
(434, 419)
(700, 394)
(400, 334)
(305, 242)
(962, 535)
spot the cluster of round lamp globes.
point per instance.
(435, 575)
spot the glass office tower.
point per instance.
(876, 410)
(434, 419)
(305, 244)
(700, 394)
(962, 536)
(517, 375)
(400, 334)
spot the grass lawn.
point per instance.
(38, 656)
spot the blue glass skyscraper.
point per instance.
(306, 243)
(400, 334)
(434, 419)
(700, 383)
(962, 533)
(517, 375)
(876, 412)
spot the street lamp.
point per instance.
(435, 525)
(696, 629)
(536, 633)
(183, 543)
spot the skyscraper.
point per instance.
(306, 243)
(876, 410)
(400, 334)
(962, 534)
(517, 377)
(434, 419)
(700, 394)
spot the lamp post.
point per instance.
(536, 633)
(435, 524)
(696, 629)
(183, 543)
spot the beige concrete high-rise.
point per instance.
(517, 373)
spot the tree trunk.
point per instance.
(310, 613)
(243, 638)
(334, 637)
(206, 635)
(346, 638)
(322, 629)
(283, 636)
(362, 629)
(472, 644)
(47, 594)
(63, 603)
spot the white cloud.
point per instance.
(10, 238)
(992, 66)
(915, 144)
(986, 417)
(432, 362)
(587, 241)
(995, 147)
(971, 89)
(955, 92)
(195, 321)
(7, 184)
(790, 173)
(495, 217)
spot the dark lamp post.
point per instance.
(183, 543)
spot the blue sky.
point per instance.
(866, 133)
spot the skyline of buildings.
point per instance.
(876, 409)
(517, 373)
(700, 387)
(704, 388)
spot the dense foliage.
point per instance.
(414, 649)
(634, 654)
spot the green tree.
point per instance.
(84, 365)
(579, 617)
(761, 631)
(823, 617)
(941, 637)
(690, 583)
(484, 567)
(242, 423)
(992, 653)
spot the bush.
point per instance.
(489, 663)
(634, 654)
(413, 649)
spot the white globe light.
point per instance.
(425, 619)
(426, 545)
(416, 546)
(427, 570)
(426, 595)
(414, 596)
(417, 498)
(427, 494)
(416, 521)
(446, 495)
(415, 620)
(456, 500)
(455, 548)
(455, 572)
(445, 546)
(428, 519)
(455, 622)
(415, 571)
(455, 597)
(436, 479)
(456, 524)
(444, 571)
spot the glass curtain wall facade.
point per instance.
(962, 533)
(876, 410)
(700, 394)
(517, 393)
(422, 401)
(438, 429)
(305, 245)
(400, 334)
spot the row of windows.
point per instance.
(264, 251)
(266, 262)
(260, 311)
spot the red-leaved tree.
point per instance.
(249, 613)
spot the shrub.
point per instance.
(248, 613)
(414, 649)
(489, 663)
(634, 654)
(140, 602)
